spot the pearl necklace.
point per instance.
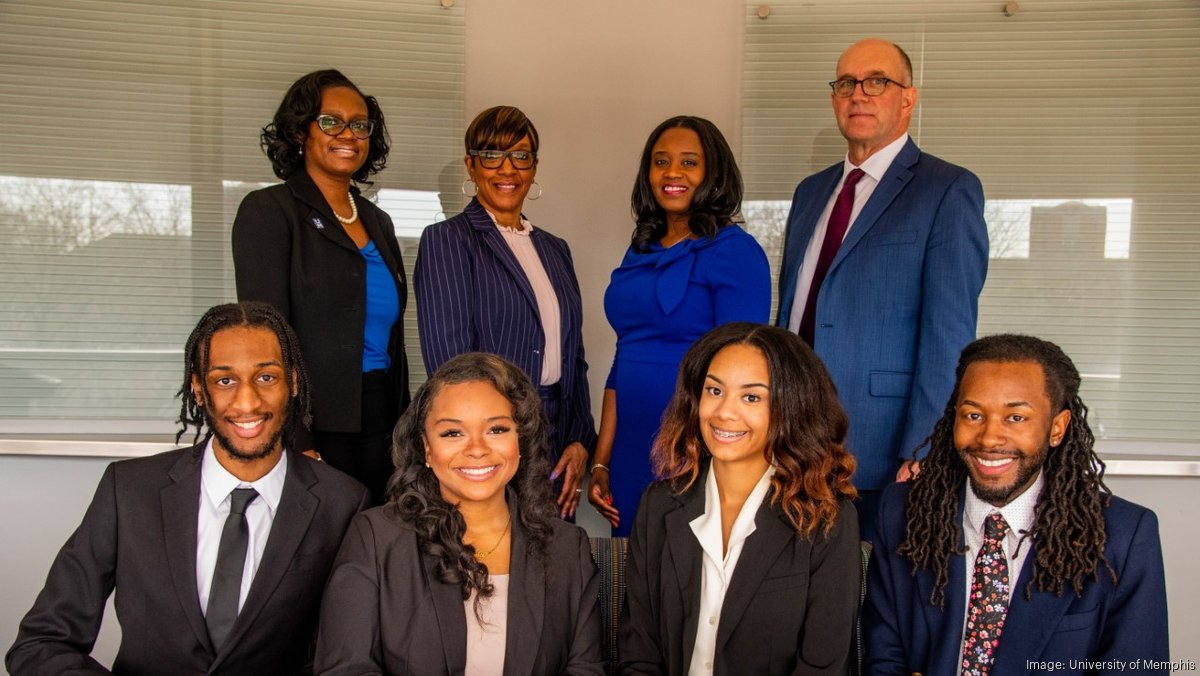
(353, 211)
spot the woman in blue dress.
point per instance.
(689, 268)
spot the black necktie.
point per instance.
(227, 576)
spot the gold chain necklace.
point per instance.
(479, 556)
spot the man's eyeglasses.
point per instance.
(333, 125)
(494, 159)
(871, 86)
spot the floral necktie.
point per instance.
(990, 590)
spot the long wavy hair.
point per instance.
(716, 203)
(283, 138)
(414, 495)
(805, 436)
(251, 314)
(1068, 526)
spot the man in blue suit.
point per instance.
(885, 256)
(1008, 554)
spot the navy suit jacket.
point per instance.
(139, 536)
(899, 302)
(789, 609)
(473, 295)
(905, 633)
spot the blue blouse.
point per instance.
(383, 310)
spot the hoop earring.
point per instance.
(463, 188)
(538, 196)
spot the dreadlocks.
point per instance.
(1068, 528)
(195, 363)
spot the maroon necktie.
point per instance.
(835, 232)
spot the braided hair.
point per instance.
(195, 363)
(1068, 528)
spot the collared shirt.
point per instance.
(1019, 515)
(216, 486)
(874, 167)
(717, 568)
(522, 247)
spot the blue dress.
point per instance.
(659, 303)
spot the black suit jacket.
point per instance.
(290, 251)
(385, 612)
(790, 607)
(139, 535)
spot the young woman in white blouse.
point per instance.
(465, 569)
(744, 557)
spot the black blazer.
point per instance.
(789, 609)
(473, 295)
(139, 535)
(385, 612)
(290, 251)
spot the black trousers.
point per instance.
(365, 455)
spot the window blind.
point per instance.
(1080, 118)
(130, 135)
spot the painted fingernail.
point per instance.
(553, 476)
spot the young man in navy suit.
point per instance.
(204, 586)
(1007, 554)
(884, 259)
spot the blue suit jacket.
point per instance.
(899, 302)
(905, 633)
(472, 295)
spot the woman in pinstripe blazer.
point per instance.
(488, 281)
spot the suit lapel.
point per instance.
(180, 507)
(685, 555)
(490, 235)
(772, 534)
(1028, 622)
(297, 505)
(325, 223)
(947, 625)
(526, 605)
(797, 244)
(452, 621)
(897, 176)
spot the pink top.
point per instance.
(485, 640)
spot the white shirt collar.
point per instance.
(217, 483)
(707, 526)
(877, 165)
(526, 226)
(1018, 514)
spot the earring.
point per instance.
(463, 188)
(532, 198)
(301, 151)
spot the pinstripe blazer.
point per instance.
(472, 295)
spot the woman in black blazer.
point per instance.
(744, 558)
(328, 260)
(465, 569)
(487, 280)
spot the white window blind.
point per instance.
(1081, 119)
(130, 135)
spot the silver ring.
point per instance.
(578, 490)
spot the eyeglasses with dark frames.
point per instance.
(494, 159)
(871, 86)
(333, 125)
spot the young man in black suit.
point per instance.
(218, 553)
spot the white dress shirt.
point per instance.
(717, 568)
(543, 291)
(874, 167)
(216, 486)
(1019, 515)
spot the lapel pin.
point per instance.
(317, 222)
